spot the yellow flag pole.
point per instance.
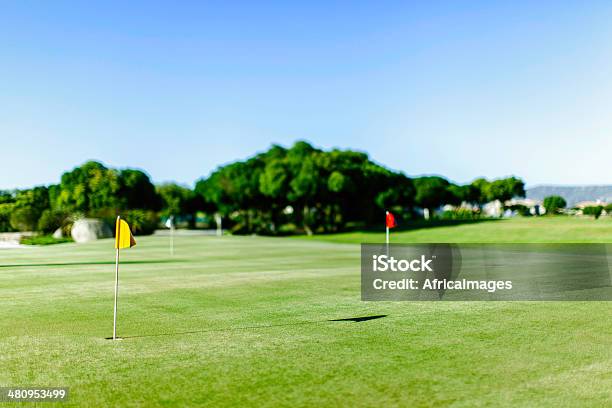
(117, 232)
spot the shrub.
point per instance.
(460, 214)
(554, 204)
(521, 209)
(24, 219)
(594, 210)
(51, 220)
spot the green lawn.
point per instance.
(519, 229)
(245, 321)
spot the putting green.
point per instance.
(247, 321)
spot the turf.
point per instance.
(246, 321)
(520, 230)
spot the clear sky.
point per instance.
(461, 89)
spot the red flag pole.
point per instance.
(387, 232)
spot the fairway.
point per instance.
(248, 321)
(512, 230)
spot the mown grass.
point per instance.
(43, 240)
(245, 321)
(515, 230)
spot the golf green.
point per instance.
(251, 321)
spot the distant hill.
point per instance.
(572, 194)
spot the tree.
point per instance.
(431, 192)
(28, 207)
(89, 187)
(7, 199)
(594, 210)
(179, 201)
(6, 210)
(309, 189)
(554, 204)
(358, 191)
(305, 185)
(480, 191)
(274, 185)
(173, 198)
(94, 189)
(397, 193)
(233, 191)
(506, 189)
(136, 191)
(459, 194)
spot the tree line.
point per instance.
(556, 205)
(282, 190)
(93, 190)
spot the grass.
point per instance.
(43, 240)
(515, 230)
(245, 321)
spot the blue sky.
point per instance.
(462, 89)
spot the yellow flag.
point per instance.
(123, 235)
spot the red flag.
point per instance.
(390, 220)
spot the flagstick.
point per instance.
(116, 283)
(387, 232)
(116, 290)
(219, 222)
(172, 239)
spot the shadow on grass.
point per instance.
(359, 319)
(161, 261)
(263, 326)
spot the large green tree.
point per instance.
(136, 191)
(89, 187)
(506, 189)
(93, 188)
(309, 188)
